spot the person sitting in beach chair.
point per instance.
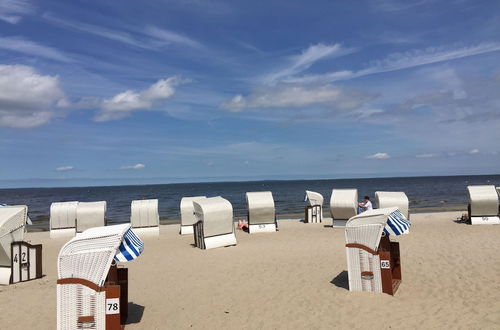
(365, 206)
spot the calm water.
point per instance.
(288, 195)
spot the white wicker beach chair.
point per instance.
(261, 212)
(89, 215)
(343, 205)
(314, 211)
(84, 300)
(187, 214)
(144, 217)
(214, 227)
(372, 260)
(393, 199)
(12, 227)
(483, 206)
(63, 219)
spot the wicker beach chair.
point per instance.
(261, 212)
(63, 219)
(397, 199)
(343, 205)
(314, 211)
(12, 226)
(144, 217)
(483, 206)
(187, 214)
(373, 261)
(87, 298)
(214, 227)
(89, 215)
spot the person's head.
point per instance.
(367, 198)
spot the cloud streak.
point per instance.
(21, 45)
(133, 167)
(11, 11)
(379, 155)
(65, 168)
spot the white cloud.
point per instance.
(473, 151)
(64, 168)
(379, 155)
(123, 104)
(27, 99)
(171, 37)
(425, 155)
(20, 45)
(133, 167)
(294, 96)
(11, 11)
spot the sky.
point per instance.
(169, 91)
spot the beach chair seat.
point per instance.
(484, 205)
(261, 212)
(314, 211)
(373, 261)
(89, 215)
(144, 217)
(63, 219)
(187, 214)
(214, 227)
(91, 292)
(397, 199)
(343, 206)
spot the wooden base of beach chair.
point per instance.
(147, 231)
(484, 220)
(186, 230)
(262, 228)
(220, 241)
(65, 232)
(339, 223)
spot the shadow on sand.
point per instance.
(134, 313)
(341, 280)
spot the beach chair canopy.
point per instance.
(89, 215)
(260, 207)
(187, 210)
(63, 215)
(144, 213)
(216, 214)
(12, 226)
(343, 203)
(483, 200)
(89, 255)
(314, 198)
(366, 228)
(393, 199)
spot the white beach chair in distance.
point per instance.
(187, 214)
(214, 226)
(89, 215)
(373, 261)
(397, 199)
(144, 217)
(343, 206)
(19, 261)
(63, 219)
(483, 206)
(86, 299)
(314, 211)
(261, 212)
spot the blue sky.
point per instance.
(164, 91)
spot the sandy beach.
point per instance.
(295, 278)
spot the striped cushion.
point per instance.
(397, 224)
(131, 247)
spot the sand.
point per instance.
(295, 278)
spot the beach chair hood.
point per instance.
(483, 200)
(314, 198)
(12, 227)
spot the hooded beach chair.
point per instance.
(187, 214)
(483, 206)
(144, 217)
(343, 206)
(397, 199)
(19, 261)
(63, 219)
(91, 290)
(214, 225)
(314, 211)
(89, 215)
(373, 261)
(261, 212)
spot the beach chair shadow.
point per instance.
(341, 280)
(135, 313)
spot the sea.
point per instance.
(436, 193)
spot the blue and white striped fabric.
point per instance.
(397, 224)
(131, 247)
